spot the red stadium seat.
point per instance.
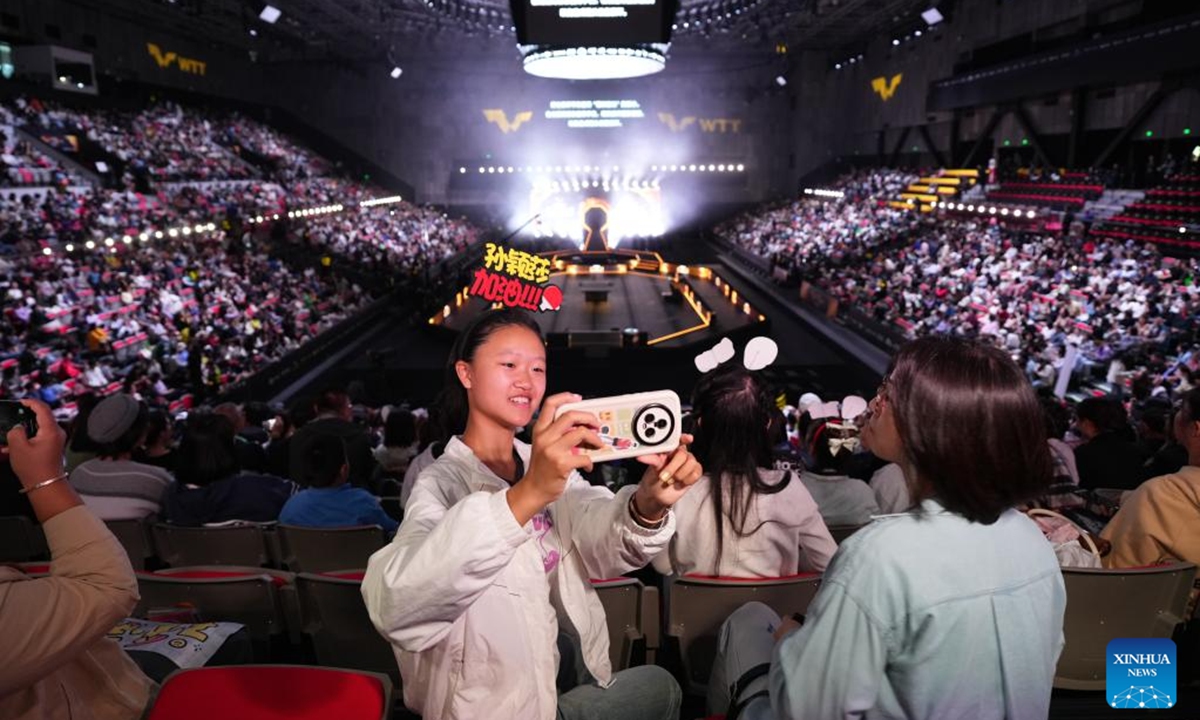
(273, 692)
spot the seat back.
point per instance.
(1106, 604)
(233, 595)
(232, 545)
(625, 612)
(697, 606)
(318, 550)
(21, 540)
(273, 692)
(841, 532)
(134, 536)
(335, 618)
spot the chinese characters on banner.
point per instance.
(517, 279)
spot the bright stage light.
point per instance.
(932, 16)
(396, 73)
(594, 63)
(462, 170)
(270, 14)
(741, 167)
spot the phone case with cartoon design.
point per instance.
(633, 425)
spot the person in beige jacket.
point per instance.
(1157, 522)
(54, 659)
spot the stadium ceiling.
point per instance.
(369, 30)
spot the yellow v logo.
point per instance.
(500, 118)
(886, 89)
(157, 53)
(676, 125)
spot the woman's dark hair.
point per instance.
(734, 410)
(158, 422)
(1055, 416)
(81, 442)
(1107, 414)
(1189, 406)
(825, 461)
(454, 398)
(400, 430)
(972, 429)
(206, 453)
(324, 459)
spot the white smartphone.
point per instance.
(633, 425)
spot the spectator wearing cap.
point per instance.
(113, 485)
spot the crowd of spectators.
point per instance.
(185, 289)
(1033, 292)
(812, 232)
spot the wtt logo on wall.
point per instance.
(708, 125)
(886, 88)
(1141, 673)
(499, 118)
(165, 60)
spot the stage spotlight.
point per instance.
(970, 208)
(510, 170)
(674, 168)
(741, 167)
(895, 41)
(712, 168)
(838, 66)
(90, 245)
(462, 170)
(1182, 230)
(781, 81)
(992, 210)
(47, 251)
(1031, 214)
(396, 73)
(691, 168)
(1004, 212)
(721, 168)
(932, 16)
(491, 169)
(270, 14)
(917, 33)
(70, 247)
(108, 242)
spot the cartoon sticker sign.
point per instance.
(517, 279)
(185, 644)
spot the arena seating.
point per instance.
(632, 612)
(1169, 215)
(55, 234)
(273, 692)
(317, 550)
(697, 605)
(1104, 604)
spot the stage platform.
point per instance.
(628, 298)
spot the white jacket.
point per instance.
(466, 598)
(786, 534)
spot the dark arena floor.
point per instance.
(589, 351)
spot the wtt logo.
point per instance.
(1141, 673)
(500, 118)
(164, 60)
(708, 125)
(886, 88)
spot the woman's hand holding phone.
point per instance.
(667, 478)
(554, 457)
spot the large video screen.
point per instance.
(593, 23)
